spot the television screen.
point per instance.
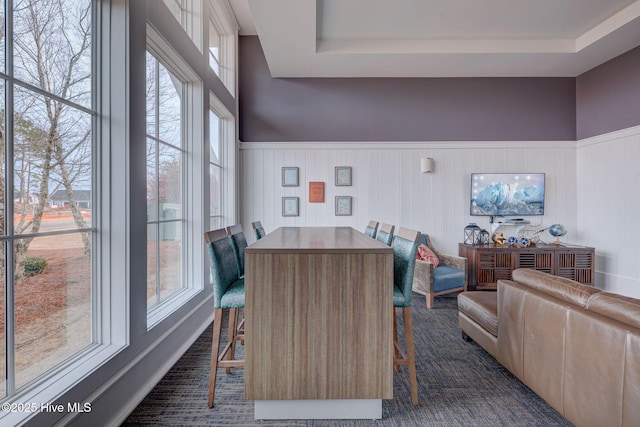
(507, 194)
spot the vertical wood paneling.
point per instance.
(460, 208)
(407, 172)
(361, 182)
(372, 183)
(271, 213)
(444, 195)
(425, 191)
(415, 188)
(325, 210)
(608, 173)
(313, 213)
(271, 193)
(383, 186)
(630, 170)
(261, 207)
(436, 208)
(389, 187)
(246, 210)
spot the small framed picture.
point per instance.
(343, 205)
(343, 176)
(290, 206)
(316, 192)
(290, 177)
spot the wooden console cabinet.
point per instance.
(486, 264)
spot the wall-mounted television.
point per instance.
(507, 194)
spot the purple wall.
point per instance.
(401, 109)
(608, 97)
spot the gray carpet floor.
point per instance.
(459, 384)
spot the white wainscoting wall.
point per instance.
(609, 207)
(389, 187)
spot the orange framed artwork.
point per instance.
(316, 192)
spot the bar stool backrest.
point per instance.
(371, 229)
(258, 230)
(239, 243)
(224, 268)
(385, 234)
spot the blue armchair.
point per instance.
(449, 276)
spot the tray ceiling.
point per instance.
(439, 38)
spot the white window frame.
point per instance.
(110, 273)
(190, 18)
(228, 156)
(181, 5)
(118, 309)
(193, 173)
(223, 20)
(220, 166)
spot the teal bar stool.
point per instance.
(385, 234)
(371, 229)
(239, 244)
(258, 231)
(405, 248)
(228, 293)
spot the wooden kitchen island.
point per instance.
(318, 307)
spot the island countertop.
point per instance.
(318, 309)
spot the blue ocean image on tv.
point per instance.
(507, 194)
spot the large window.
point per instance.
(221, 47)
(97, 208)
(214, 48)
(47, 188)
(165, 182)
(222, 158)
(215, 172)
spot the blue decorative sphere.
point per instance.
(557, 230)
(512, 240)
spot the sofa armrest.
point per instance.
(454, 261)
(423, 277)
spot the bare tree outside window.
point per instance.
(48, 184)
(165, 184)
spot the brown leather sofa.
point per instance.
(575, 346)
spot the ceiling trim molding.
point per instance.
(626, 16)
(631, 132)
(417, 46)
(404, 145)
(289, 32)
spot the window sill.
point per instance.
(166, 308)
(43, 395)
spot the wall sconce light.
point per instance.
(426, 165)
